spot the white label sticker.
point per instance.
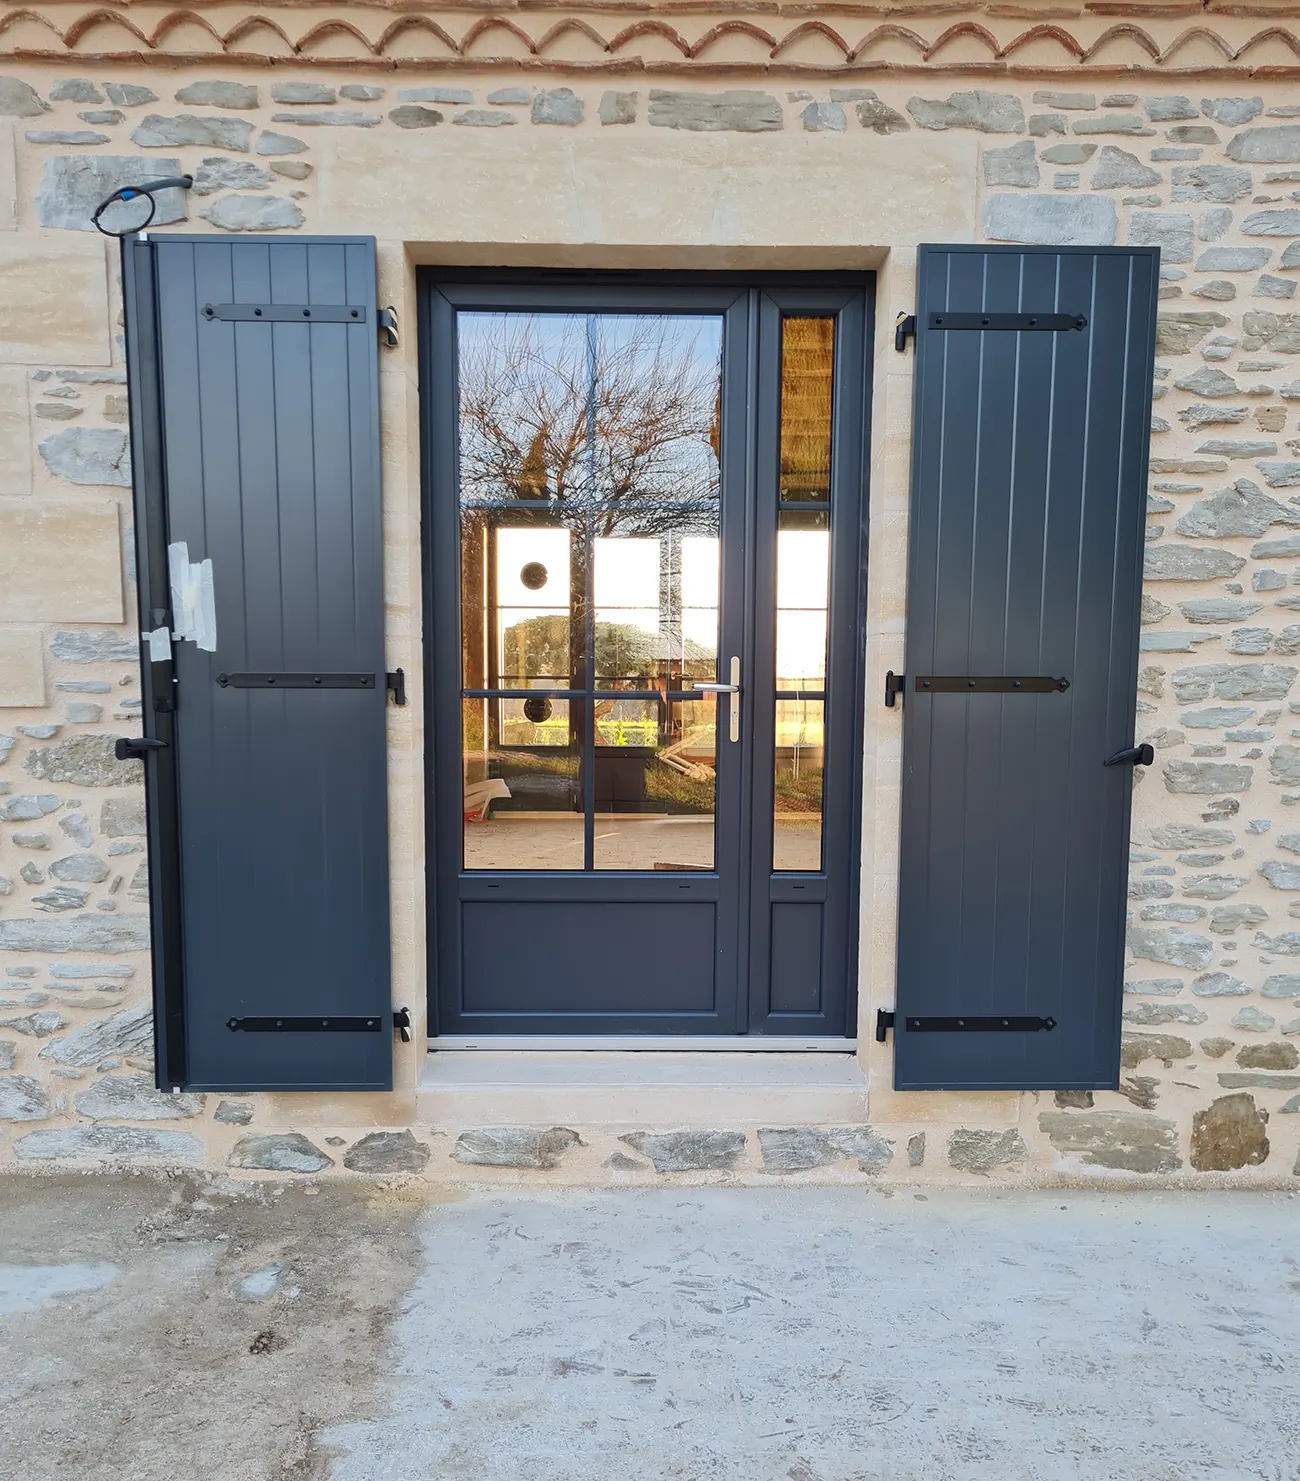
(160, 645)
(194, 609)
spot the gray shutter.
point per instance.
(1028, 494)
(255, 435)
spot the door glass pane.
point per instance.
(656, 784)
(802, 576)
(522, 791)
(807, 355)
(797, 810)
(590, 524)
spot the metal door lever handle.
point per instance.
(717, 688)
(1143, 755)
(733, 689)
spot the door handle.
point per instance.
(1143, 755)
(136, 749)
(733, 689)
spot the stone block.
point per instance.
(22, 673)
(53, 300)
(1269, 1057)
(23, 1099)
(134, 1098)
(1230, 1132)
(93, 646)
(129, 95)
(95, 456)
(123, 817)
(1051, 220)
(84, 760)
(303, 92)
(1232, 259)
(1173, 233)
(617, 107)
(338, 118)
(799, 1148)
(1232, 112)
(688, 1151)
(1266, 146)
(878, 116)
(1017, 164)
(1127, 1140)
(1272, 224)
(559, 105)
(990, 113)
(254, 213)
(269, 142)
(515, 1146)
(1190, 563)
(413, 116)
(1136, 1048)
(738, 111)
(85, 933)
(1242, 509)
(233, 1113)
(155, 131)
(985, 1151)
(219, 172)
(1207, 778)
(1116, 167)
(60, 562)
(72, 185)
(1171, 945)
(218, 95)
(288, 1151)
(1209, 182)
(1183, 330)
(109, 1144)
(124, 1035)
(387, 1152)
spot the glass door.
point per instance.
(596, 486)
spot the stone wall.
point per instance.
(737, 169)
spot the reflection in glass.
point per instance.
(656, 784)
(807, 358)
(802, 577)
(797, 793)
(522, 791)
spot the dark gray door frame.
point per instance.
(753, 306)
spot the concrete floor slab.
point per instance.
(353, 1332)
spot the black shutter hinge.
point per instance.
(894, 686)
(903, 326)
(884, 1022)
(402, 1024)
(397, 686)
(387, 321)
(1143, 755)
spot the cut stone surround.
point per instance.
(738, 168)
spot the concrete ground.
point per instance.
(163, 1330)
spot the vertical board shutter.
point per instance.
(1028, 495)
(255, 433)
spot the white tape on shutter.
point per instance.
(194, 609)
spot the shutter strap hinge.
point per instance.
(402, 1024)
(894, 686)
(397, 685)
(904, 325)
(387, 321)
(884, 1022)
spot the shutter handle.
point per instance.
(1143, 755)
(136, 749)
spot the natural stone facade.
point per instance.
(1004, 125)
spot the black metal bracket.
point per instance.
(894, 686)
(945, 320)
(387, 320)
(904, 325)
(341, 1025)
(995, 1024)
(989, 684)
(884, 1022)
(136, 749)
(1143, 755)
(296, 681)
(286, 313)
(402, 1024)
(397, 686)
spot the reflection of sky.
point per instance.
(542, 370)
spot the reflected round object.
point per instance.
(534, 575)
(537, 710)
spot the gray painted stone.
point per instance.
(26, 807)
(1069, 101)
(79, 933)
(128, 94)
(878, 116)
(22, 1099)
(1283, 475)
(515, 1146)
(233, 1113)
(1017, 164)
(560, 105)
(435, 95)
(1189, 835)
(1190, 563)
(122, 817)
(1218, 289)
(413, 116)
(269, 142)
(1208, 182)
(1154, 611)
(1219, 985)
(1212, 224)
(1069, 154)
(80, 869)
(1281, 985)
(1233, 681)
(1212, 886)
(621, 1162)
(254, 213)
(338, 118)
(134, 1098)
(1117, 167)
(19, 99)
(984, 1151)
(217, 172)
(1171, 945)
(8, 1054)
(1284, 764)
(1161, 987)
(291, 169)
(99, 456)
(1208, 382)
(285, 1151)
(687, 1151)
(93, 645)
(1111, 123)
(86, 760)
(124, 1035)
(506, 95)
(387, 1152)
(109, 1144)
(1287, 943)
(61, 897)
(1232, 259)
(219, 95)
(1149, 889)
(1289, 841)
(616, 107)
(1241, 509)
(916, 1150)
(1128, 1140)
(1276, 549)
(824, 118)
(484, 118)
(1052, 220)
(1272, 224)
(77, 826)
(1231, 112)
(739, 111)
(1191, 133)
(303, 92)
(1267, 146)
(360, 92)
(1173, 233)
(1207, 778)
(1280, 873)
(1168, 109)
(1291, 256)
(798, 1148)
(1149, 1015)
(72, 185)
(65, 136)
(155, 131)
(75, 90)
(1202, 414)
(36, 1025)
(1269, 286)
(1219, 609)
(990, 113)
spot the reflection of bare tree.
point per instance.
(604, 417)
